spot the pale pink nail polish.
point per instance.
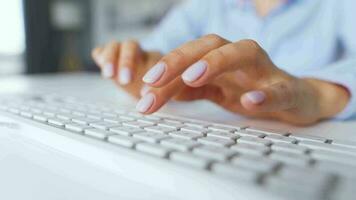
(108, 70)
(256, 97)
(195, 71)
(155, 73)
(145, 103)
(124, 76)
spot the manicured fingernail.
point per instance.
(145, 103)
(256, 97)
(155, 73)
(108, 70)
(124, 76)
(144, 90)
(195, 71)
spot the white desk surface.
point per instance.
(34, 172)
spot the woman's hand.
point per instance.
(239, 77)
(125, 63)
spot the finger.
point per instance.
(108, 59)
(277, 97)
(154, 98)
(244, 55)
(128, 54)
(173, 64)
(144, 90)
(95, 54)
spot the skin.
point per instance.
(234, 71)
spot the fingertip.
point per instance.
(145, 104)
(125, 75)
(155, 73)
(107, 70)
(253, 100)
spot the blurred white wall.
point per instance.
(12, 37)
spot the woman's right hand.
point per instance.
(125, 63)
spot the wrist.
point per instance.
(330, 98)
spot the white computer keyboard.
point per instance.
(295, 165)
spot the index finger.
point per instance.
(174, 63)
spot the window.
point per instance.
(12, 37)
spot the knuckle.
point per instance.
(250, 44)
(113, 44)
(213, 38)
(177, 54)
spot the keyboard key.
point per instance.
(104, 125)
(304, 137)
(49, 113)
(190, 160)
(195, 129)
(179, 144)
(236, 172)
(160, 129)
(153, 149)
(222, 128)
(65, 116)
(256, 163)
(349, 159)
(148, 121)
(26, 114)
(186, 135)
(347, 171)
(98, 133)
(126, 130)
(136, 124)
(215, 141)
(151, 136)
(127, 117)
(124, 141)
(291, 158)
(170, 125)
(79, 128)
(291, 148)
(84, 120)
(214, 153)
(254, 141)
(250, 133)
(58, 122)
(197, 124)
(299, 187)
(223, 135)
(115, 120)
(109, 114)
(41, 118)
(174, 121)
(267, 131)
(280, 138)
(328, 147)
(249, 149)
(348, 144)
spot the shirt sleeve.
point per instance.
(343, 72)
(182, 23)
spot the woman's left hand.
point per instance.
(240, 77)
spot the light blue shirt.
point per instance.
(307, 38)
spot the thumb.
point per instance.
(276, 97)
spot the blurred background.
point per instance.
(44, 36)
